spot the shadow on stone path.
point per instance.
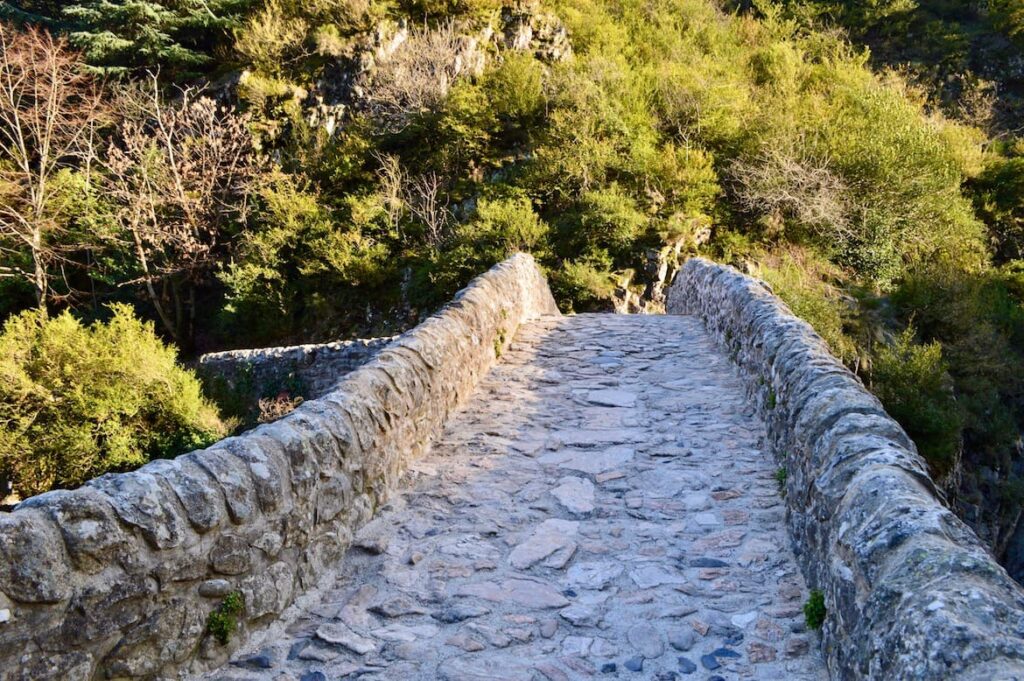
(600, 508)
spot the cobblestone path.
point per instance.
(600, 508)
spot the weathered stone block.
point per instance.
(231, 555)
(232, 475)
(102, 609)
(268, 468)
(92, 534)
(141, 501)
(33, 565)
(333, 496)
(197, 492)
(169, 635)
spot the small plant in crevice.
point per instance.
(770, 402)
(814, 610)
(781, 475)
(223, 621)
(499, 342)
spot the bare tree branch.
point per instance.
(180, 173)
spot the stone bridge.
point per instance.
(507, 493)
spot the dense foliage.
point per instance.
(964, 60)
(77, 401)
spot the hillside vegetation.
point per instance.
(256, 172)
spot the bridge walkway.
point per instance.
(601, 507)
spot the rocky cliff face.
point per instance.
(345, 84)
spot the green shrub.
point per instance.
(781, 475)
(978, 317)
(223, 621)
(584, 284)
(442, 8)
(913, 382)
(516, 88)
(269, 35)
(608, 218)
(298, 252)
(498, 228)
(814, 610)
(78, 401)
(998, 194)
(798, 277)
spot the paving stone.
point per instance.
(646, 640)
(682, 639)
(634, 664)
(575, 494)
(459, 612)
(648, 576)
(343, 636)
(470, 645)
(759, 652)
(612, 398)
(580, 615)
(551, 536)
(594, 575)
(398, 607)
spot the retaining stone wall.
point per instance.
(307, 371)
(117, 579)
(910, 590)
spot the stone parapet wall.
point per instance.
(117, 579)
(911, 592)
(309, 371)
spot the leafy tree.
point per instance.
(500, 227)
(998, 194)
(301, 270)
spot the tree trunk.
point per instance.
(160, 311)
(39, 275)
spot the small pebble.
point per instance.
(634, 664)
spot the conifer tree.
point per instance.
(116, 36)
